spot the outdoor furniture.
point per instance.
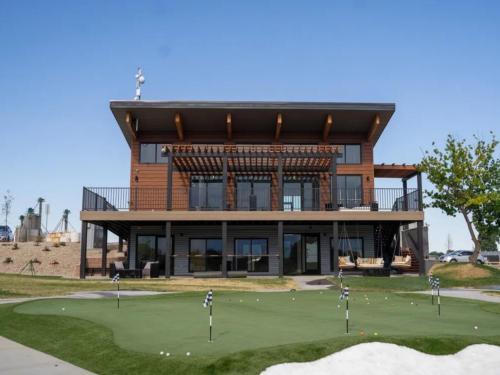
(151, 270)
(118, 267)
(401, 262)
(207, 275)
(370, 263)
(345, 263)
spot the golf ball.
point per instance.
(338, 306)
(63, 309)
(161, 353)
(258, 300)
(168, 354)
(386, 298)
(188, 354)
(475, 327)
(411, 302)
(375, 334)
(241, 300)
(293, 299)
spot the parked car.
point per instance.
(5, 233)
(461, 256)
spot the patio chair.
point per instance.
(401, 262)
(151, 270)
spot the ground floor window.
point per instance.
(205, 254)
(348, 246)
(251, 254)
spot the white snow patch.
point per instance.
(387, 359)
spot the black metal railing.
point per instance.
(303, 199)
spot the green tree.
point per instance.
(466, 181)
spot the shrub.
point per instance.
(8, 260)
(15, 246)
(54, 262)
(56, 244)
(35, 260)
(62, 243)
(46, 248)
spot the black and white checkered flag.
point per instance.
(208, 299)
(116, 278)
(344, 294)
(434, 281)
(340, 274)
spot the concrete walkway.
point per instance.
(17, 359)
(475, 294)
(89, 295)
(312, 282)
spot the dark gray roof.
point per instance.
(251, 116)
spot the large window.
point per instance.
(300, 193)
(151, 153)
(251, 254)
(205, 254)
(352, 247)
(205, 193)
(349, 191)
(153, 249)
(351, 154)
(253, 193)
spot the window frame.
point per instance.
(251, 239)
(158, 147)
(205, 239)
(343, 160)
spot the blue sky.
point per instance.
(61, 62)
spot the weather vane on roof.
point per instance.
(139, 81)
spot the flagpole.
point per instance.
(432, 292)
(439, 302)
(118, 295)
(210, 334)
(347, 314)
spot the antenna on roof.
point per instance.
(139, 81)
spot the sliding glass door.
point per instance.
(205, 193)
(349, 191)
(300, 193)
(253, 193)
(301, 254)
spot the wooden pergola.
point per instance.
(209, 159)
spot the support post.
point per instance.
(224, 249)
(224, 183)
(333, 182)
(170, 170)
(83, 250)
(120, 245)
(420, 192)
(280, 247)
(405, 194)
(335, 245)
(104, 258)
(420, 245)
(168, 250)
(280, 183)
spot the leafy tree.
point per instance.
(6, 205)
(488, 244)
(466, 181)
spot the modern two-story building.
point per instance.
(263, 188)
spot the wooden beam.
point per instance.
(327, 127)
(229, 127)
(279, 123)
(178, 126)
(130, 123)
(374, 129)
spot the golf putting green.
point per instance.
(178, 323)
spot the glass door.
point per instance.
(301, 254)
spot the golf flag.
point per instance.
(116, 279)
(431, 283)
(340, 277)
(208, 302)
(345, 295)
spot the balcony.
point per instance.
(265, 198)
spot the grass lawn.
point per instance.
(249, 335)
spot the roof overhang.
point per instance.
(202, 117)
(395, 171)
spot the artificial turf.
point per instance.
(178, 323)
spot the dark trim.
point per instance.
(205, 239)
(83, 250)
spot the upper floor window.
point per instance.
(151, 153)
(351, 154)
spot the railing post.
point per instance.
(224, 182)
(170, 169)
(280, 248)
(420, 192)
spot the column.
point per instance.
(335, 240)
(420, 192)
(280, 183)
(333, 182)
(405, 194)
(224, 183)
(420, 250)
(104, 249)
(170, 170)
(224, 248)
(120, 244)
(83, 250)
(280, 247)
(168, 250)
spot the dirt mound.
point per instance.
(460, 271)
